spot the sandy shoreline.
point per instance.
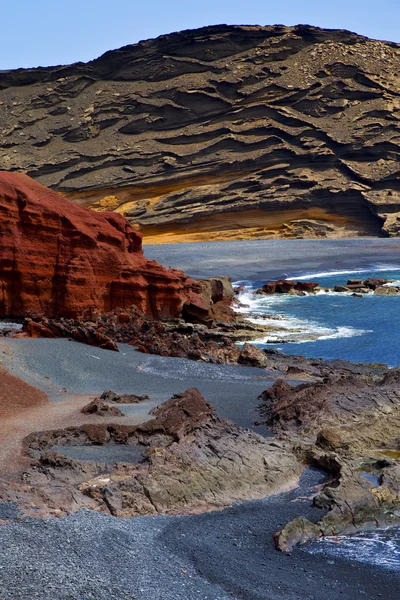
(215, 556)
(59, 367)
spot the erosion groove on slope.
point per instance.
(201, 123)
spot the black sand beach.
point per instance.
(215, 556)
(59, 367)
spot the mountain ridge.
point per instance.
(219, 133)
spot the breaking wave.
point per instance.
(269, 311)
(376, 269)
(379, 547)
(10, 325)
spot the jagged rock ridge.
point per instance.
(257, 130)
(187, 459)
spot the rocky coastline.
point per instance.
(186, 460)
(349, 425)
(358, 287)
(344, 420)
(153, 444)
(181, 457)
(214, 321)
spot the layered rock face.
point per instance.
(59, 259)
(225, 131)
(349, 425)
(187, 459)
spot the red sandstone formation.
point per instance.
(59, 259)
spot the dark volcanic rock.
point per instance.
(109, 396)
(284, 286)
(97, 407)
(298, 531)
(176, 337)
(252, 356)
(192, 460)
(306, 286)
(348, 425)
(374, 282)
(285, 130)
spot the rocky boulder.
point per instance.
(252, 356)
(210, 301)
(387, 291)
(101, 409)
(285, 286)
(110, 396)
(298, 531)
(367, 286)
(374, 282)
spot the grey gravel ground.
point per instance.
(217, 556)
(57, 366)
(258, 259)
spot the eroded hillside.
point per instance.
(221, 132)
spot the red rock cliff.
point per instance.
(59, 259)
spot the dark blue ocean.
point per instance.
(332, 325)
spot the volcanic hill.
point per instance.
(219, 133)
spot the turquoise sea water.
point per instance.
(333, 325)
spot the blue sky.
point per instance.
(50, 32)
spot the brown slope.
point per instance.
(257, 131)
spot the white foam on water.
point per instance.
(251, 303)
(373, 269)
(380, 547)
(307, 331)
(332, 293)
(346, 332)
(245, 282)
(10, 325)
(261, 310)
(312, 276)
